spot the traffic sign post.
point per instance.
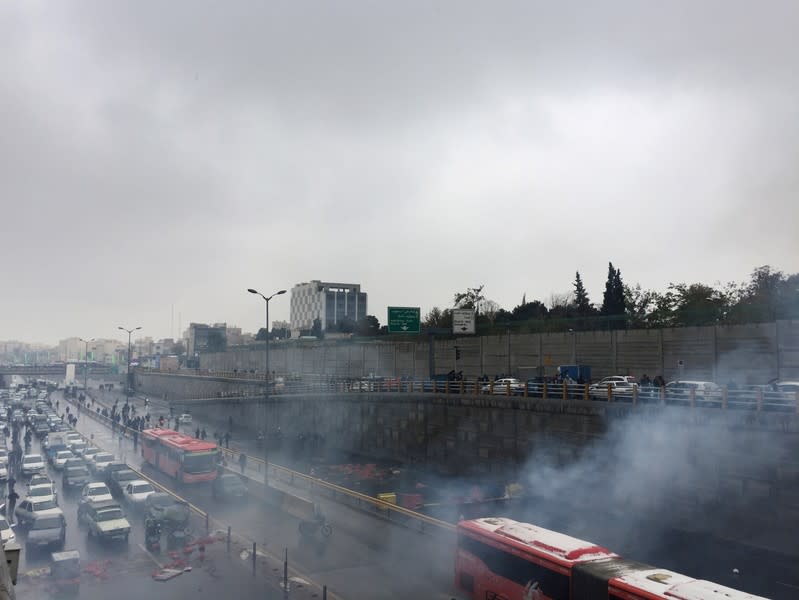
(463, 321)
(404, 319)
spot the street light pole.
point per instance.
(129, 382)
(266, 376)
(86, 365)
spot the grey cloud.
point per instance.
(180, 151)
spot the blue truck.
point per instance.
(579, 373)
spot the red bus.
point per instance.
(181, 456)
(502, 559)
(657, 584)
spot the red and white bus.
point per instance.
(503, 559)
(661, 584)
(181, 456)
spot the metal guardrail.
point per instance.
(753, 398)
(353, 498)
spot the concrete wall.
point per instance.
(747, 354)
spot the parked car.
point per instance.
(32, 464)
(75, 477)
(619, 390)
(42, 491)
(119, 479)
(136, 492)
(61, 458)
(501, 387)
(184, 419)
(106, 521)
(95, 492)
(78, 447)
(46, 530)
(6, 531)
(75, 461)
(704, 391)
(229, 486)
(100, 462)
(167, 509)
(28, 509)
(39, 479)
(89, 452)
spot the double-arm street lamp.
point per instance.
(266, 375)
(130, 382)
(86, 365)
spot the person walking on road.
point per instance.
(242, 462)
(12, 503)
(197, 433)
(227, 440)
(203, 435)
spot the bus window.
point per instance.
(516, 569)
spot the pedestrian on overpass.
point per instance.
(242, 462)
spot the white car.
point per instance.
(42, 491)
(61, 457)
(622, 389)
(501, 386)
(617, 379)
(29, 508)
(78, 447)
(100, 461)
(136, 492)
(89, 452)
(95, 492)
(6, 533)
(32, 463)
(184, 419)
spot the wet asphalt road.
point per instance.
(364, 558)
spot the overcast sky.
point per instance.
(159, 154)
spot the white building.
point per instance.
(326, 301)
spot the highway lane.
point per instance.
(124, 570)
(365, 557)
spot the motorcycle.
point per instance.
(310, 529)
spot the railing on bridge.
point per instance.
(754, 398)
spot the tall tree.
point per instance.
(438, 319)
(472, 298)
(697, 304)
(369, 326)
(613, 304)
(316, 329)
(581, 302)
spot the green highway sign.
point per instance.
(404, 319)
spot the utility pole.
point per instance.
(129, 386)
(266, 377)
